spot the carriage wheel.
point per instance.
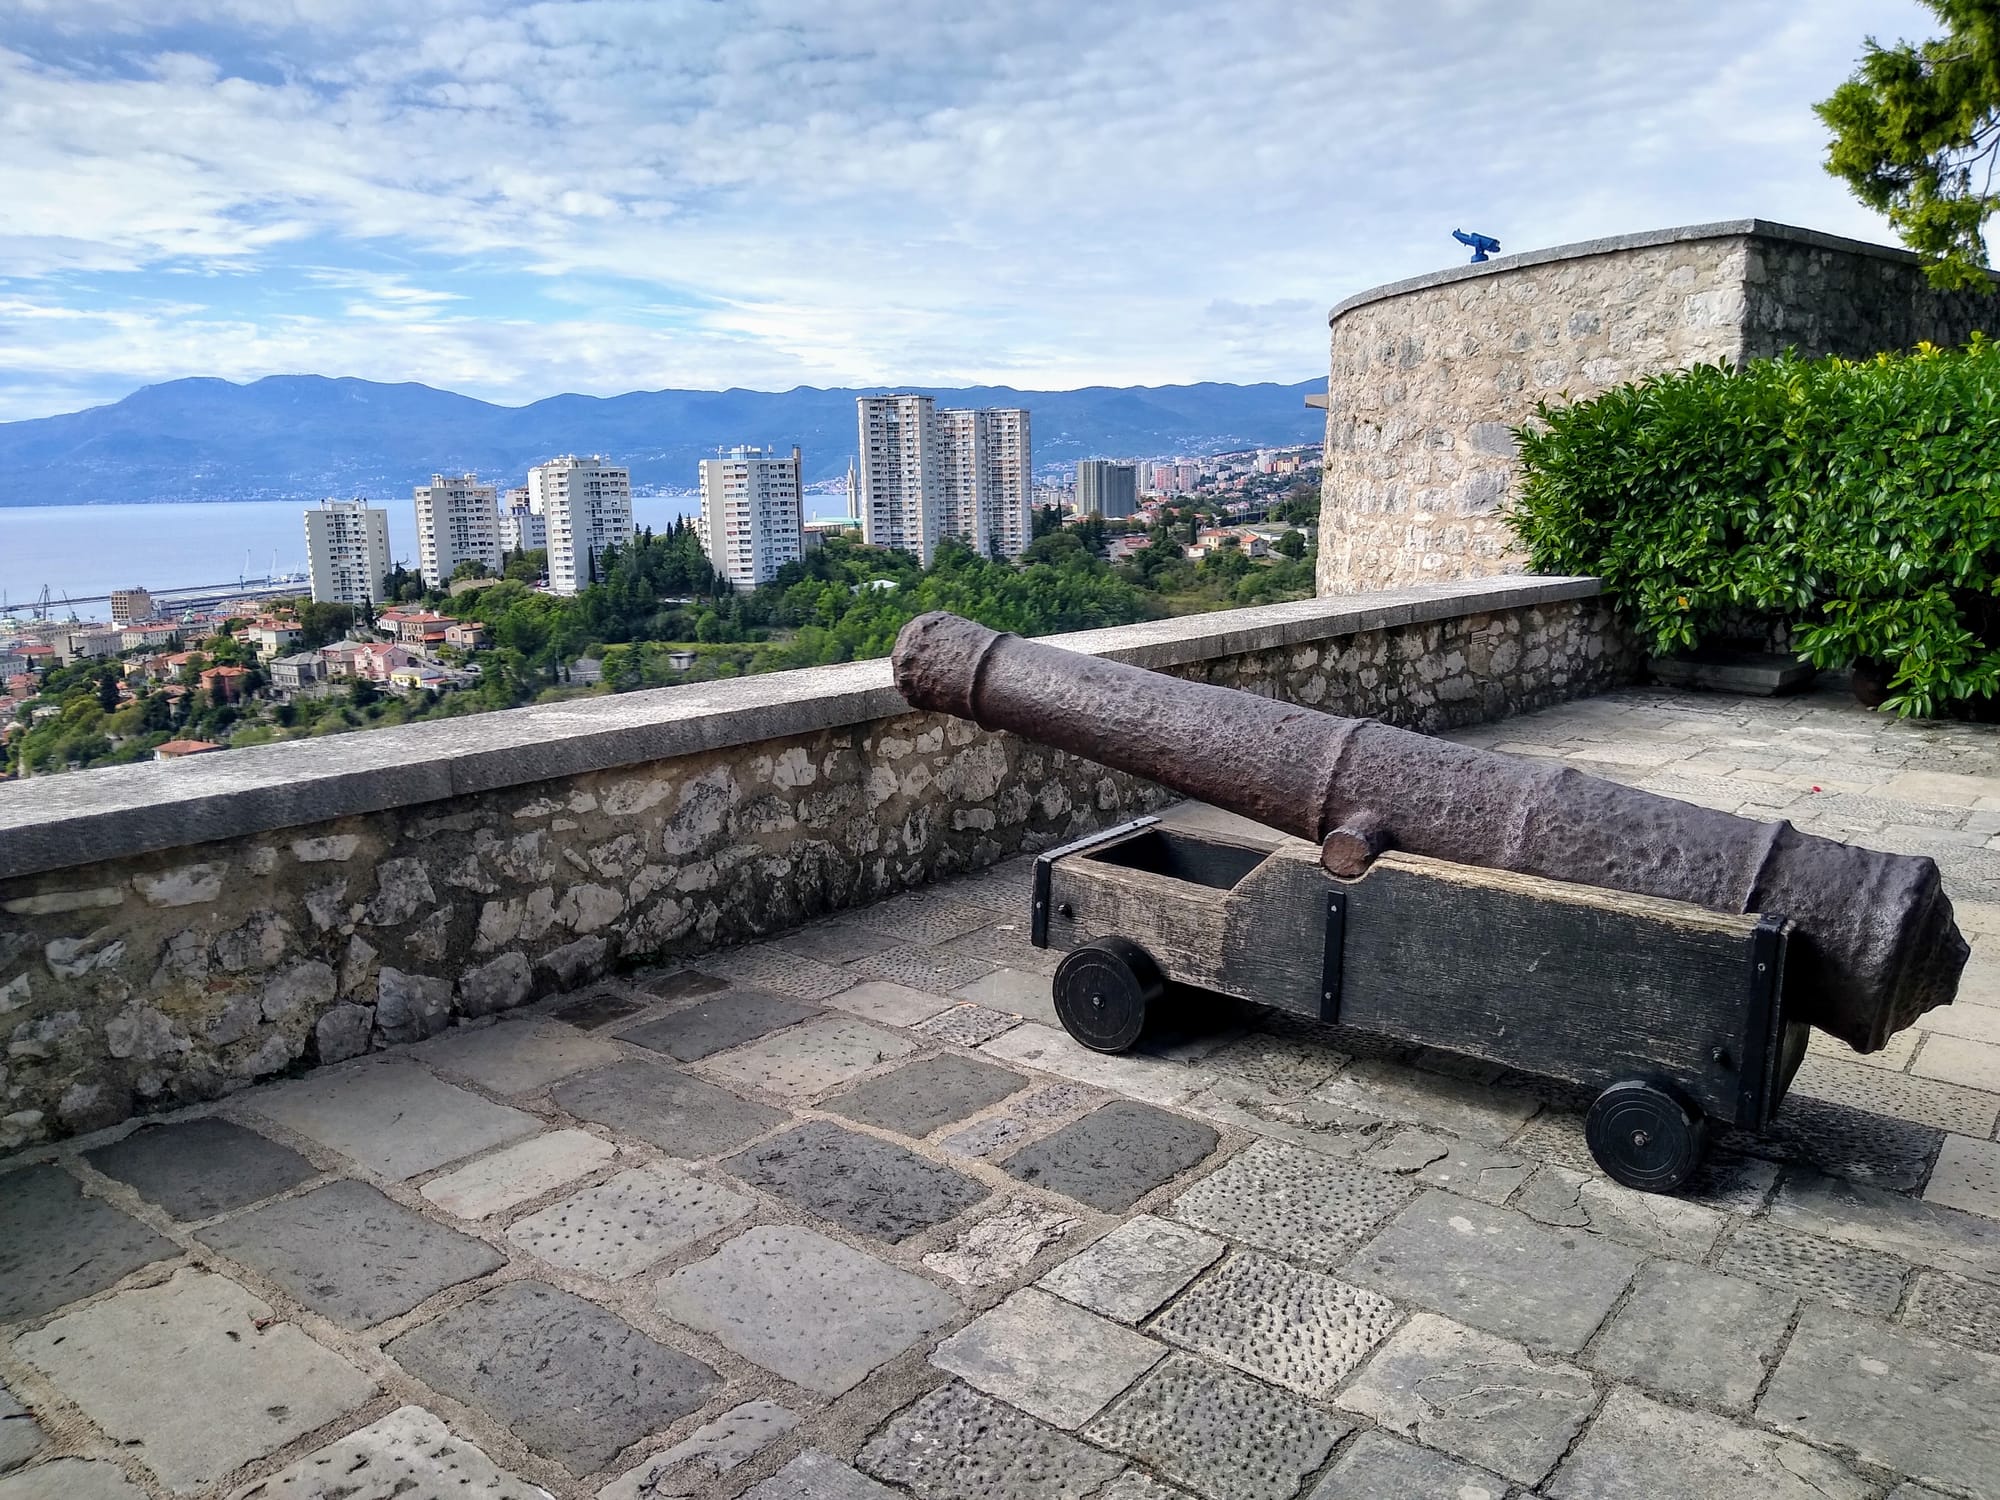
(1646, 1135)
(1103, 991)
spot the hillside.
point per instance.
(307, 436)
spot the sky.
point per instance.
(515, 200)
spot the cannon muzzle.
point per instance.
(1874, 945)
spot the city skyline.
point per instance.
(517, 199)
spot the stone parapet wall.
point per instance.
(378, 887)
(1427, 376)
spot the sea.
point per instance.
(81, 552)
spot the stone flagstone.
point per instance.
(805, 1307)
(809, 1059)
(195, 1169)
(1476, 1397)
(1379, 1467)
(1295, 1328)
(128, 1362)
(1790, 1261)
(729, 1019)
(1297, 1202)
(1927, 1233)
(1924, 1408)
(926, 1095)
(1967, 1174)
(1222, 1435)
(1113, 1156)
(814, 1475)
(1132, 1270)
(404, 1456)
(1461, 1106)
(956, 1441)
(70, 1479)
(1954, 1307)
(683, 1116)
(1655, 1222)
(1640, 1450)
(20, 1434)
(856, 1181)
(629, 1222)
(391, 1116)
(350, 1254)
(967, 1025)
(518, 1173)
(1497, 1270)
(570, 1379)
(516, 1057)
(1693, 1333)
(889, 1003)
(1051, 1359)
(57, 1246)
(705, 1454)
(997, 1247)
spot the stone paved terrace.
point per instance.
(843, 1215)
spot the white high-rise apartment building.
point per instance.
(926, 474)
(586, 504)
(520, 525)
(458, 520)
(752, 511)
(347, 552)
(900, 499)
(987, 480)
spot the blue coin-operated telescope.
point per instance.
(1481, 245)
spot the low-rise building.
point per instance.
(304, 672)
(273, 636)
(181, 749)
(420, 676)
(422, 628)
(467, 635)
(225, 684)
(1252, 544)
(341, 659)
(379, 662)
(1121, 547)
(148, 634)
(86, 641)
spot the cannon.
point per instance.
(1670, 957)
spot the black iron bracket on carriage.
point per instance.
(1671, 958)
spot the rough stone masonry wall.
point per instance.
(1428, 376)
(181, 973)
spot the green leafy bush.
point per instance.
(1855, 500)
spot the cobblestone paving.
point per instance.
(843, 1216)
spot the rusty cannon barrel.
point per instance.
(1874, 943)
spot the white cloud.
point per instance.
(867, 190)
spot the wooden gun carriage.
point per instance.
(1669, 956)
(1672, 1014)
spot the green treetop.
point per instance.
(1915, 134)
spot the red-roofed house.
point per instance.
(226, 683)
(181, 749)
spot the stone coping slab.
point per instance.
(1723, 229)
(58, 822)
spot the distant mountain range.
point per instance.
(304, 437)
